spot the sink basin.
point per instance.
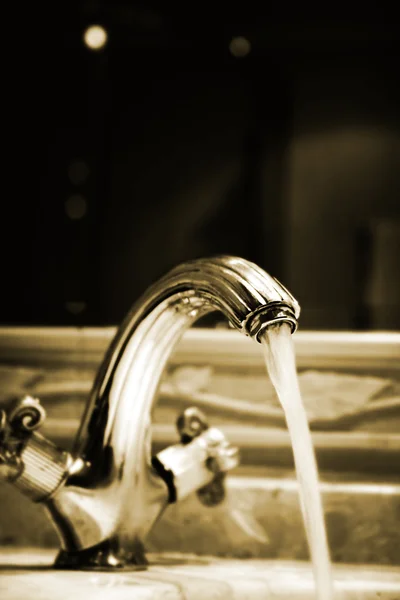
(260, 519)
(254, 537)
(28, 573)
(257, 535)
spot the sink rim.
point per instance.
(276, 576)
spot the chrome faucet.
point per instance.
(105, 496)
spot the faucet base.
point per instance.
(106, 556)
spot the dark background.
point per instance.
(288, 156)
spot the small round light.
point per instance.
(239, 46)
(76, 207)
(95, 37)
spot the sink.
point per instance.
(256, 536)
(28, 572)
(260, 519)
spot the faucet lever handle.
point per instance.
(25, 415)
(222, 456)
(190, 424)
(17, 423)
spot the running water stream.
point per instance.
(279, 356)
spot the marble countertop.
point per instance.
(28, 574)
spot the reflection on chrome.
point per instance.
(105, 496)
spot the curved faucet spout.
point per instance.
(127, 380)
(115, 492)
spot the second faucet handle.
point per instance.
(190, 424)
(18, 421)
(199, 462)
(222, 456)
(26, 415)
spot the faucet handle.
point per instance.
(190, 424)
(199, 462)
(222, 456)
(33, 464)
(25, 415)
(22, 417)
(17, 423)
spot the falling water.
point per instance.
(280, 360)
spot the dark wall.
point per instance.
(344, 196)
(191, 147)
(173, 148)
